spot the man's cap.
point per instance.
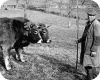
(91, 12)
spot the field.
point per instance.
(52, 61)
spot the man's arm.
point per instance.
(96, 37)
(79, 40)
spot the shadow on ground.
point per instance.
(62, 66)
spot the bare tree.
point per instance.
(92, 3)
(70, 7)
(60, 6)
(17, 3)
(27, 2)
(25, 6)
(45, 4)
(83, 2)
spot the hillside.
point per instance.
(54, 61)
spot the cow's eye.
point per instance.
(35, 32)
(31, 26)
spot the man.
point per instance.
(90, 45)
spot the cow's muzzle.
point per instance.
(40, 41)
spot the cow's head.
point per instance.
(44, 32)
(33, 32)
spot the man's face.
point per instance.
(91, 18)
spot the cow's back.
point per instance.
(6, 31)
(21, 19)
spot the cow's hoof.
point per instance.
(8, 68)
(19, 59)
(3, 72)
(11, 72)
(22, 60)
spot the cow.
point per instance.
(43, 29)
(32, 31)
(15, 34)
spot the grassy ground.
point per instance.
(52, 61)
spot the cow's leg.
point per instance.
(19, 55)
(6, 52)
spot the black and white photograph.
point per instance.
(49, 40)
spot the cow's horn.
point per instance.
(48, 26)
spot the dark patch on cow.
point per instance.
(14, 34)
(18, 28)
(34, 34)
(30, 30)
(21, 19)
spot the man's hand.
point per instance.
(76, 41)
(93, 54)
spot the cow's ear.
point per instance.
(25, 24)
(42, 25)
